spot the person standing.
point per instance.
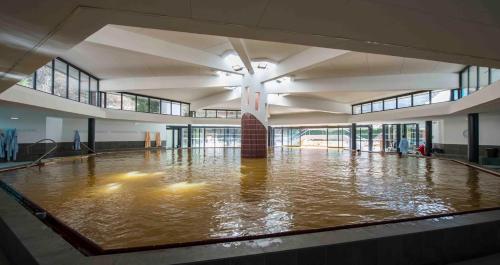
(403, 146)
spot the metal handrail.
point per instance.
(87, 147)
(45, 154)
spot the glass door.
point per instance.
(173, 134)
(411, 132)
(391, 134)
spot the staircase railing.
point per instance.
(87, 147)
(37, 161)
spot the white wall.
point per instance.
(115, 130)
(30, 125)
(34, 125)
(451, 130)
(489, 129)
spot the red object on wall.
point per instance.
(253, 137)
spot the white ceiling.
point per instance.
(360, 64)
(108, 62)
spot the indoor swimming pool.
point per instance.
(151, 198)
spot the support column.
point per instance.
(190, 135)
(179, 137)
(91, 134)
(254, 135)
(384, 126)
(428, 138)
(353, 136)
(417, 133)
(370, 138)
(473, 143)
(398, 137)
(270, 135)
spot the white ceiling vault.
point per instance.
(205, 70)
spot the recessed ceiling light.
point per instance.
(262, 65)
(14, 118)
(237, 67)
(233, 60)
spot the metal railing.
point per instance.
(37, 161)
(88, 148)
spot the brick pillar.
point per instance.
(253, 137)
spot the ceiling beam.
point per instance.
(301, 61)
(168, 82)
(241, 50)
(308, 103)
(136, 42)
(367, 83)
(218, 98)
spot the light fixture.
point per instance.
(14, 118)
(229, 87)
(233, 60)
(262, 65)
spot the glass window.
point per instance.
(93, 91)
(238, 114)
(211, 113)
(60, 74)
(102, 98)
(73, 83)
(438, 96)
(142, 104)
(200, 113)
(113, 101)
(404, 102)
(495, 75)
(44, 78)
(421, 99)
(483, 76)
(257, 100)
(221, 114)
(27, 82)
(166, 107)
(464, 79)
(231, 114)
(154, 105)
(185, 110)
(128, 102)
(84, 88)
(377, 106)
(356, 109)
(176, 108)
(472, 79)
(389, 104)
(455, 94)
(367, 107)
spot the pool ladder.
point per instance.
(38, 160)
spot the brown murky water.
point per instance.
(159, 197)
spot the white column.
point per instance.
(254, 98)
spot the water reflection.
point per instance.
(253, 179)
(157, 197)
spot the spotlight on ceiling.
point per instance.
(263, 63)
(233, 60)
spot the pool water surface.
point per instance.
(146, 198)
